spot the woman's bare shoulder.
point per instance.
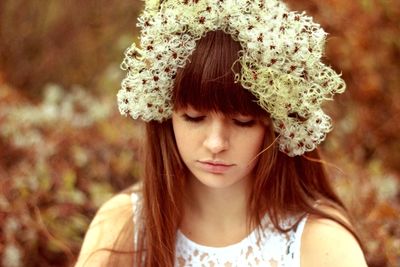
(105, 228)
(327, 243)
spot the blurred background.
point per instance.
(64, 148)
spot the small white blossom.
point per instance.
(12, 256)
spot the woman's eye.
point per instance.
(241, 123)
(186, 117)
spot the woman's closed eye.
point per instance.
(241, 122)
(244, 123)
(192, 118)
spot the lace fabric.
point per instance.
(265, 246)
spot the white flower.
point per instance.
(282, 48)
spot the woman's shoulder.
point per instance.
(110, 220)
(325, 242)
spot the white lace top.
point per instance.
(265, 246)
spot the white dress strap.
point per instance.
(295, 248)
(135, 199)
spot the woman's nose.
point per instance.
(217, 137)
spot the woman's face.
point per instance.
(218, 150)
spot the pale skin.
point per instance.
(212, 137)
(212, 221)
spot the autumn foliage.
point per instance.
(64, 149)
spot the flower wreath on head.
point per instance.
(280, 63)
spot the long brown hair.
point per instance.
(283, 186)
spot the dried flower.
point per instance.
(289, 72)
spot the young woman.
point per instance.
(231, 91)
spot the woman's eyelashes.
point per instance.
(192, 118)
(237, 122)
(244, 123)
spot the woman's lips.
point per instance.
(215, 167)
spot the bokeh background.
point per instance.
(64, 149)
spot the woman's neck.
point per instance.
(216, 216)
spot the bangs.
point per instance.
(207, 81)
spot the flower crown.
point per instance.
(280, 63)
